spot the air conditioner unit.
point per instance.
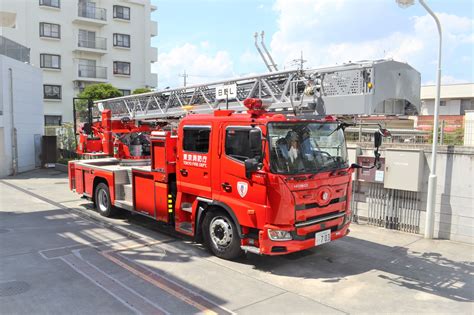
(79, 85)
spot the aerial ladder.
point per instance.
(355, 88)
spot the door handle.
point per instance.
(184, 172)
(227, 187)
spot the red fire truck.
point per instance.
(260, 182)
(241, 179)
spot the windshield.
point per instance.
(306, 147)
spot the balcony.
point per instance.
(91, 73)
(89, 14)
(153, 28)
(97, 45)
(14, 50)
(153, 54)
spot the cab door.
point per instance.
(194, 160)
(245, 196)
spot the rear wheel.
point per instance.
(102, 200)
(221, 235)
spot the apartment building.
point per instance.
(82, 42)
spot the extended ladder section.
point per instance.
(360, 88)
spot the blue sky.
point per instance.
(213, 39)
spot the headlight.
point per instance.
(279, 235)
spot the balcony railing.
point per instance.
(86, 71)
(92, 12)
(97, 43)
(14, 50)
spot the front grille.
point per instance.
(320, 218)
(316, 205)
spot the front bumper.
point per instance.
(269, 247)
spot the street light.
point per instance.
(430, 204)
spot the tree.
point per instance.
(100, 91)
(141, 90)
(95, 92)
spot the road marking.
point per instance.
(121, 293)
(159, 281)
(171, 287)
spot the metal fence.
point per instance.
(389, 208)
(407, 136)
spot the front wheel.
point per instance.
(221, 235)
(102, 200)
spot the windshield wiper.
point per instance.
(342, 125)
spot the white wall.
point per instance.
(29, 16)
(453, 107)
(27, 112)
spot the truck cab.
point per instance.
(261, 182)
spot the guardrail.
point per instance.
(97, 43)
(92, 12)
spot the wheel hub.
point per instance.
(103, 202)
(221, 232)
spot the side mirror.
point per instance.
(255, 143)
(251, 166)
(377, 139)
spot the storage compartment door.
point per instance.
(144, 193)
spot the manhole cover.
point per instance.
(10, 288)
(61, 183)
(4, 231)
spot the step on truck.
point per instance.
(258, 181)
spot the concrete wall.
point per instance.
(454, 217)
(27, 113)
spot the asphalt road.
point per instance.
(58, 256)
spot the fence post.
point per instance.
(441, 136)
(360, 133)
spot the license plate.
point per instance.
(323, 237)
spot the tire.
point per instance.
(220, 235)
(102, 200)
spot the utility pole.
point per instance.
(433, 178)
(300, 61)
(185, 76)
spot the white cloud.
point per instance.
(200, 64)
(331, 32)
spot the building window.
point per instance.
(121, 12)
(52, 120)
(442, 103)
(196, 139)
(121, 67)
(50, 30)
(50, 3)
(125, 92)
(51, 92)
(121, 40)
(50, 61)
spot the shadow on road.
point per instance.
(428, 272)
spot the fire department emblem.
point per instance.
(242, 188)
